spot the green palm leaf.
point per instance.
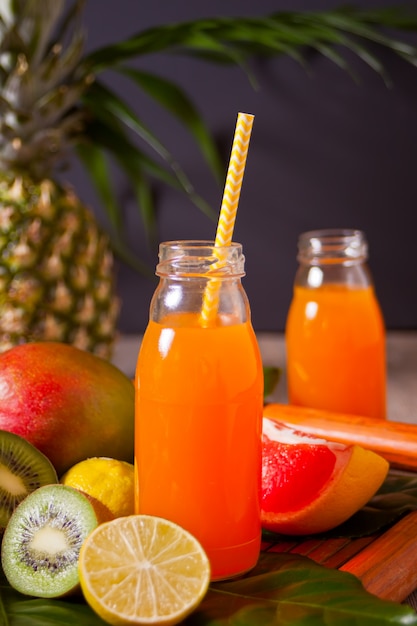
(234, 39)
(230, 40)
(177, 102)
(108, 128)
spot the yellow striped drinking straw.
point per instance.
(228, 209)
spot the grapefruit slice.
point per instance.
(310, 485)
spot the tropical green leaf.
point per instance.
(115, 115)
(343, 21)
(177, 102)
(272, 376)
(19, 610)
(132, 162)
(116, 111)
(232, 40)
(144, 198)
(338, 59)
(107, 133)
(292, 590)
(235, 39)
(97, 165)
(396, 497)
(393, 17)
(135, 164)
(95, 162)
(131, 259)
(167, 38)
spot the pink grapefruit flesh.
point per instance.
(310, 485)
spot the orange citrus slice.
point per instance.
(143, 569)
(310, 485)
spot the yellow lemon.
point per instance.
(143, 569)
(109, 481)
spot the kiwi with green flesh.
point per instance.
(23, 469)
(42, 541)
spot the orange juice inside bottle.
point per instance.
(198, 434)
(335, 342)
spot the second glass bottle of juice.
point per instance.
(199, 399)
(335, 335)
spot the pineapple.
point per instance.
(56, 265)
(56, 269)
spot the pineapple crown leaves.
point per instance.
(41, 83)
(52, 95)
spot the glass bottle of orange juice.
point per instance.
(335, 335)
(199, 399)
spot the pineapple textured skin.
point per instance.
(56, 269)
(56, 265)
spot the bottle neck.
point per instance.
(332, 246)
(336, 256)
(194, 273)
(200, 259)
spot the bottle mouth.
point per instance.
(332, 245)
(200, 258)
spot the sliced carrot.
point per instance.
(395, 441)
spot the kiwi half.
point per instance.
(42, 541)
(23, 468)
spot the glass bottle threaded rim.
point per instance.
(332, 245)
(200, 258)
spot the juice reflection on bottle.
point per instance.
(199, 405)
(335, 341)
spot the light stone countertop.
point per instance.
(401, 367)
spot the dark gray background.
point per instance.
(325, 152)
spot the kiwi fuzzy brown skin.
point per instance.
(41, 544)
(23, 469)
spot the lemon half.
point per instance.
(143, 569)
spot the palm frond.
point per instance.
(224, 40)
(118, 118)
(234, 39)
(174, 99)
